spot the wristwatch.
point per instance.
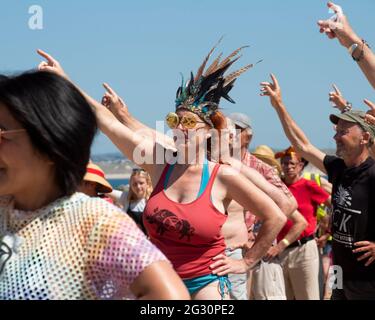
(352, 48)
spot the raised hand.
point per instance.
(337, 98)
(113, 102)
(51, 65)
(338, 27)
(370, 114)
(272, 90)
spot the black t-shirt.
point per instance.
(353, 200)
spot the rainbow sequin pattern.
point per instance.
(75, 248)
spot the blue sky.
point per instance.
(140, 47)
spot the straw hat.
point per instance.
(95, 174)
(266, 154)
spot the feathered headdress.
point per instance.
(201, 93)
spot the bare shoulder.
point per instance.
(228, 173)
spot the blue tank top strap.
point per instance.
(167, 176)
(205, 177)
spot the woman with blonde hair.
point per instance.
(134, 201)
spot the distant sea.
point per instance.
(118, 182)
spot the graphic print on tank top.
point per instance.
(168, 221)
(343, 220)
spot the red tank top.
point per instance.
(189, 234)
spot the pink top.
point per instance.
(189, 234)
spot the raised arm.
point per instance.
(338, 99)
(370, 118)
(293, 132)
(120, 110)
(340, 28)
(130, 143)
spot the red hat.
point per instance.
(95, 174)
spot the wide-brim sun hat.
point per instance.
(266, 154)
(95, 174)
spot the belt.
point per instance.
(301, 241)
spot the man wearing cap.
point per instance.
(352, 174)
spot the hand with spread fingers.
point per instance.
(51, 65)
(224, 265)
(337, 98)
(272, 90)
(368, 248)
(338, 27)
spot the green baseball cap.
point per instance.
(354, 116)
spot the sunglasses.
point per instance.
(138, 170)
(5, 132)
(188, 121)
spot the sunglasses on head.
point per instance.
(138, 170)
(188, 121)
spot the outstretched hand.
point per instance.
(51, 65)
(370, 114)
(337, 98)
(272, 90)
(338, 27)
(113, 102)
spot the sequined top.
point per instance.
(75, 248)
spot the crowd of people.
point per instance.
(203, 218)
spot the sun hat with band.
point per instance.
(95, 174)
(355, 116)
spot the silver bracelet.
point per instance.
(347, 108)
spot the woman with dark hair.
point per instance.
(56, 243)
(187, 208)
